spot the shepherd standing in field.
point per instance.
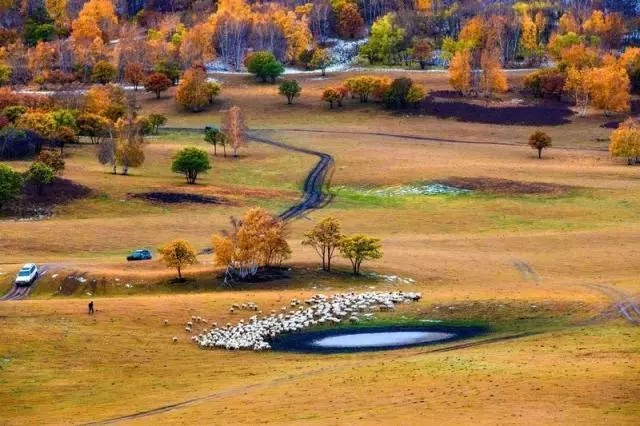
(91, 307)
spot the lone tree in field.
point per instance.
(291, 89)
(190, 161)
(157, 83)
(234, 128)
(358, 248)
(10, 184)
(178, 254)
(539, 140)
(625, 141)
(40, 175)
(325, 237)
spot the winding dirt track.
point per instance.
(417, 138)
(313, 196)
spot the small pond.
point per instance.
(360, 339)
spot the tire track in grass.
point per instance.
(622, 302)
(291, 378)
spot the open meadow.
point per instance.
(542, 252)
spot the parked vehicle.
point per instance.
(27, 274)
(140, 255)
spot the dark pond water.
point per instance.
(361, 339)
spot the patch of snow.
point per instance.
(417, 189)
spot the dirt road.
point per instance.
(313, 194)
(21, 292)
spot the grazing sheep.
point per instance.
(232, 310)
(320, 309)
(187, 329)
(175, 339)
(166, 322)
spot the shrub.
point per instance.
(10, 184)
(170, 69)
(178, 254)
(39, 174)
(546, 83)
(16, 143)
(193, 92)
(190, 161)
(5, 74)
(539, 140)
(52, 159)
(625, 141)
(157, 83)
(93, 126)
(358, 248)
(396, 95)
(103, 72)
(264, 65)
(291, 89)
(134, 74)
(156, 121)
(12, 113)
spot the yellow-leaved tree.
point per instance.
(625, 141)
(257, 240)
(460, 71)
(609, 86)
(178, 254)
(493, 80)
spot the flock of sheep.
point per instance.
(320, 309)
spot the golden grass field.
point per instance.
(578, 364)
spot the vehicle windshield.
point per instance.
(24, 273)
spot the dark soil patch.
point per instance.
(503, 186)
(33, 205)
(611, 125)
(526, 115)
(177, 198)
(446, 94)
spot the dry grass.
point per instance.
(463, 250)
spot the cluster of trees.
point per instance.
(191, 161)
(586, 67)
(326, 237)
(476, 60)
(40, 173)
(61, 41)
(398, 93)
(194, 91)
(258, 240)
(105, 115)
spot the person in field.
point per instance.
(91, 307)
